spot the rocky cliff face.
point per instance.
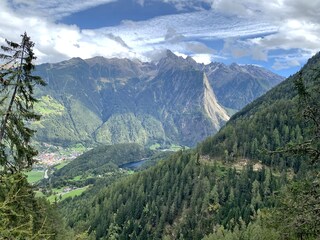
(236, 86)
(216, 113)
(120, 100)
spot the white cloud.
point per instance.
(118, 40)
(140, 2)
(189, 4)
(181, 55)
(202, 58)
(56, 42)
(248, 27)
(198, 48)
(241, 48)
(172, 36)
(298, 27)
(178, 32)
(285, 63)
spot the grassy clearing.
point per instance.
(48, 106)
(61, 165)
(75, 192)
(176, 148)
(155, 146)
(76, 178)
(60, 194)
(34, 176)
(39, 194)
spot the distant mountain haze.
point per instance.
(173, 101)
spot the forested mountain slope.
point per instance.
(270, 122)
(179, 198)
(214, 186)
(101, 162)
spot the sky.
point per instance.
(279, 35)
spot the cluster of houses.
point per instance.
(50, 159)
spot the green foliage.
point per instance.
(297, 215)
(255, 230)
(58, 194)
(179, 198)
(34, 176)
(122, 128)
(191, 194)
(48, 105)
(98, 162)
(299, 202)
(65, 122)
(61, 165)
(103, 159)
(269, 124)
(155, 146)
(17, 218)
(16, 97)
(23, 216)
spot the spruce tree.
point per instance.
(22, 215)
(298, 213)
(16, 105)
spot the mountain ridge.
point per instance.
(119, 100)
(200, 192)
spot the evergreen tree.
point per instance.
(16, 109)
(22, 215)
(298, 214)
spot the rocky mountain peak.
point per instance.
(116, 100)
(171, 61)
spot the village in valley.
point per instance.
(50, 155)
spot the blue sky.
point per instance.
(277, 34)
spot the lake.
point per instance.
(132, 165)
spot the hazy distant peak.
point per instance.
(75, 60)
(191, 61)
(170, 54)
(171, 60)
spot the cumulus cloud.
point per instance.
(242, 48)
(298, 25)
(202, 58)
(178, 32)
(172, 36)
(285, 63)
(249, 28)
(289, 60)
(198, 48)
(56, 42)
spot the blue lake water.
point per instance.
(132, 165)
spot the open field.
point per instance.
(34, 176)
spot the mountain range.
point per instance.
(251, 180)
(173, 101)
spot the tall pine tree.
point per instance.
(16, 105)
(22, 215)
